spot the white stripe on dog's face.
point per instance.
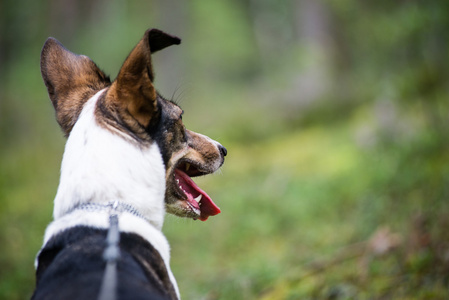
(100, 166)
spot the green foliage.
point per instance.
(337, 139)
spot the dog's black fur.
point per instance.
(74, 258)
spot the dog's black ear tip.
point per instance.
(159, 40)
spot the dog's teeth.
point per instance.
(187, 166)
(198, 199)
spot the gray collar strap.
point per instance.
(117, 207)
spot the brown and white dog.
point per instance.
(126, 145)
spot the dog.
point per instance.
(127, 154)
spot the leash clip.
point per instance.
(111, 254)
(114, 207)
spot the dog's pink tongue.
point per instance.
(206, 206)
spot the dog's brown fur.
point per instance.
(71, 80)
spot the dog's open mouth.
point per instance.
(198, 200)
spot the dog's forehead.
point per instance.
(172, 108)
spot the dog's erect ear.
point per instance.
(133, 90)
(71, 80)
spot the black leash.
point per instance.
(111, 255)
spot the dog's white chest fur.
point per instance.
(100, 166)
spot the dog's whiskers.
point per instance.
(179, 93)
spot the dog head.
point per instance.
(131, 107)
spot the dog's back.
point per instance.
(71, 266)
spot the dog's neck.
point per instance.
(101, 166)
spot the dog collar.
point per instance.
(117, 207)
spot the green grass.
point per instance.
(289, 201)
(305, 196)
(309, 189)
(294, 203)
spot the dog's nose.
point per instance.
(223, 150)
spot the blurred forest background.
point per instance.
(335, 116)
